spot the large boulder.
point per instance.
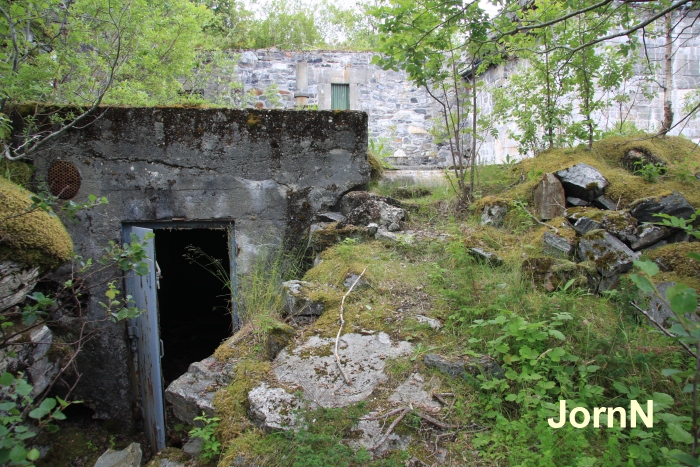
(582, 181)
(550, 198)
(644, 210)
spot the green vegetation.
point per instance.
(30, 235)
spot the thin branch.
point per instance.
(663, 329)
(398, 419)
(340, 330)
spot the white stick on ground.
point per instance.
(342, 323)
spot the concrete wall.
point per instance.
(268, 171)
(399, 113)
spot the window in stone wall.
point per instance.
(340, 96)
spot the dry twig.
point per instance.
(663, 329)
(340, 330)
(402, 414)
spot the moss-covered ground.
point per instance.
(566, 344)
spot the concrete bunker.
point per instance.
(248, 181)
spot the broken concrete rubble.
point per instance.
(582, 181)
(611, 256)
(673, 205)
(549, 197)
(494, 215)
(297, 301)
(193, 393)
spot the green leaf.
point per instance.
(557, 334)
(686, 459)
(33, 455)
(643, 283)
(6, 379)
(648, 267)
(677, 433)
(694, 255)
(142, 269)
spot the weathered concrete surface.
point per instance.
(268, 171)
(312, 367)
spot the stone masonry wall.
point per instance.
(400, 114)
(645, 114)
(267, 171)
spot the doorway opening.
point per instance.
(194, 306)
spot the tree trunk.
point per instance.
(668, 82)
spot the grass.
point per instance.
(607, 350)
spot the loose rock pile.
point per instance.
(595, 242)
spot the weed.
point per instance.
(210, 446)
(649, 171)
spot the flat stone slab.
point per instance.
(611, 256)
(312, 368)
(557, 246)
(673, 205)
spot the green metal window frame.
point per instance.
(340, 96)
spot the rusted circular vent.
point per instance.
(63, 179)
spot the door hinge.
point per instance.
(134, 331)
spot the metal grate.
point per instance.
(63, 179)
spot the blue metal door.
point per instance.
(145, 335)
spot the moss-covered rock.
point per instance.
(31, 237)
(674, 258)
(680, 156)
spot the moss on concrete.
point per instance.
(31, 237)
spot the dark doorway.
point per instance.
(193, 305)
